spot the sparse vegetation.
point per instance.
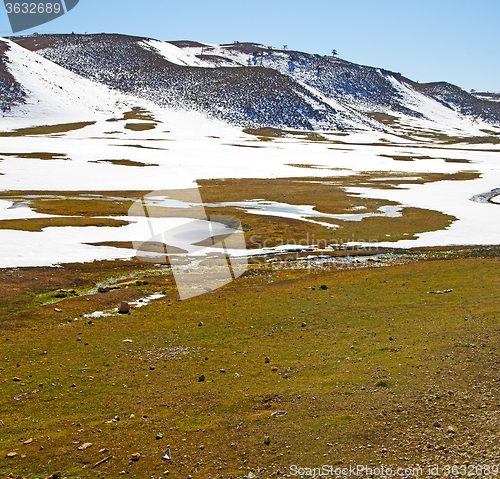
(378, 359)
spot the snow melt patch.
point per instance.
(9, 210)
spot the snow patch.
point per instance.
(177, 55)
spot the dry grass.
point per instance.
(140, 126)
(46, 129)
(125, 162)
(38, 155)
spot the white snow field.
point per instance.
(186, 146)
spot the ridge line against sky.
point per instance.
(442, 40)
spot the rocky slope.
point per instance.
(11, 92)
(254, 85)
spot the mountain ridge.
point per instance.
(253, 85)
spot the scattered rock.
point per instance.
(222, 370)
(200, 323)
(267, 440)
(12, 454)
(267, 360)
(201, 378)
(451, 430)
(127, 341)
(60, 294)
(136, 456)
(274, 368)
(102, 451)
(202, 447)
(84, 446)
(437, 424)
(278, 413)
(167, 456)
(323, 287)
(103, 289)
(124, 308)
(16, 379)
(159, 436)
(28, 441)
(303, 325)
(56, 475)
(57, 310)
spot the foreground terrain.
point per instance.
(369, 367)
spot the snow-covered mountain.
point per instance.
(246, 84)
(39, 89)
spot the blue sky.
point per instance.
(440, 40)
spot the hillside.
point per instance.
(37, 89)
(487, 96)
(11, 92)
(242, 96)
(253, 85)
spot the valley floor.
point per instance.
(363, 331)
